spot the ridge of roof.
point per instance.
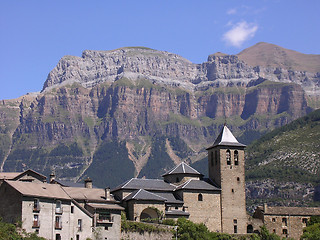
(185, 169)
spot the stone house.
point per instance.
(287, 222)
(56, 212)
(218, 202)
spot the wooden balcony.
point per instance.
(105, 220)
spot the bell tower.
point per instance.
(226, 169)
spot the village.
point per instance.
(58, 210)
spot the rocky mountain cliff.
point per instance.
(112, 115)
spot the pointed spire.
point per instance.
(226, 138)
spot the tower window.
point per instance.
(200, 197)
(236, 157)
(228, 157)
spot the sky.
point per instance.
(36, 34)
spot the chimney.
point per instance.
(88, 183)
(52, 176)
(107, 193)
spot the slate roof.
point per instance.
(67, 183)
(193, 184)
(142, 194)
(182, 168)
(226, 138)
(170, 198)
(292, 211)
(147, 184)
(177, 212)
(39, 189)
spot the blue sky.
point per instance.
(35, 34)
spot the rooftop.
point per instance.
(182, 168)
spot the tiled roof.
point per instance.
(90, 194)
(67, 183)
(182, 168)
(9, 175)
(147, 184)
(142, 194)
(194, 184)
(226, 138)
(300, 211)
(39, 189)
(105, 206)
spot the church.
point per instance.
(219, 201)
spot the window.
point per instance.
(232, 190)
(216, 156)
(235, 229)
(200, 198)
(304, 220)
(77, 237)
(36, 205)
(238, 179)
(236, 158)
(285, 231)
(58, 224)
(273, 220)
(72, 209)
(58, 206)
(104, 217)
(79, 225)
(284, 221)
(228, 157)
(274, 231)
(235, 221)
(36, 222)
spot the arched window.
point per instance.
(236, 157)
(228, 157)
(200, 198)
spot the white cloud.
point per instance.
(232, 11)
(239, 33)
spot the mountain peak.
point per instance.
(270, 55)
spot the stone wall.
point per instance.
(207, 211)
(146, 236)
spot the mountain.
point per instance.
(113, 115)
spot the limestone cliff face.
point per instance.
(141, 110)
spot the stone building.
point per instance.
(286, 222)
(218, 202)
(56, 212)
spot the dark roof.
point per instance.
(300, 211)
(170, 197)
(147, 184)
(182, 168)
(194, 184)
(177, 212)
(142, 194)
(226, 138)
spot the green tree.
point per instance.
(266, 235)
(312, 231)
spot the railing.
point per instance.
(36, 224)
(58, 225)
(105, 220)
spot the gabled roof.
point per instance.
(170, 197)
(193, 184)
(44, 190)
(142, 194)
(147, 184)
(226, 138)
(17, 175)
(182, 168)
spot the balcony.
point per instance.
(105, 220)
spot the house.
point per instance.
(26, 176)
(56, 212)
(286, 222)
(218, 202)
